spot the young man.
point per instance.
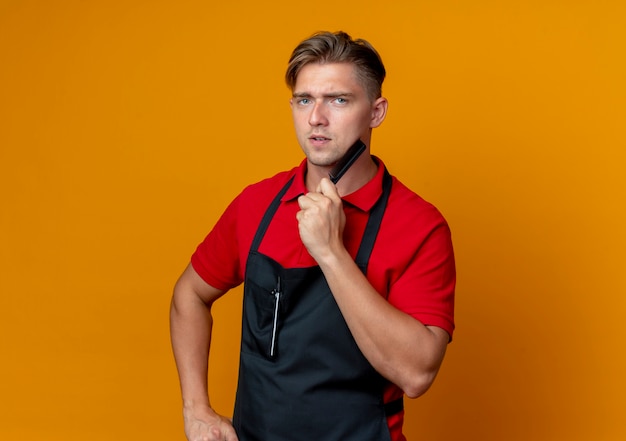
(348, 288)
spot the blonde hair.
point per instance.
(339, 47)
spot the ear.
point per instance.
(379, 111)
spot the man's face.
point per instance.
(331, 110)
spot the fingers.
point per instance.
(321, 220)
(231, 437)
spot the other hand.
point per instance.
(208, 426)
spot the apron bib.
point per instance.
(301, 374)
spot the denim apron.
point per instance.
(301, 374)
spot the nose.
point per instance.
(317, 117)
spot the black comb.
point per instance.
(348, 159)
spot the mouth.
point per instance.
(318, 140)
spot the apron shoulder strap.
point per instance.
(373, 225)
(267, 217)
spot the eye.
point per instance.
(304, 101)
(340, 100)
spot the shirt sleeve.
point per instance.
(426, 288)
(423, 285)
(217, 257)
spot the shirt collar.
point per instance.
(364, 198)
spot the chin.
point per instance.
(322, 161)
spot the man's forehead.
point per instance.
(327, 79)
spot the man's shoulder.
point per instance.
(269, 186)
(412, 205)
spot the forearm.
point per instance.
(190, 327)
(398, 346)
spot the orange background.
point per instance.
(127, 126)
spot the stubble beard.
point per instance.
(326, 159)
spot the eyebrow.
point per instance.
(326, 95)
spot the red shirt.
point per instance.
(412, 262)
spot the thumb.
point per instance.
(327, 188)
